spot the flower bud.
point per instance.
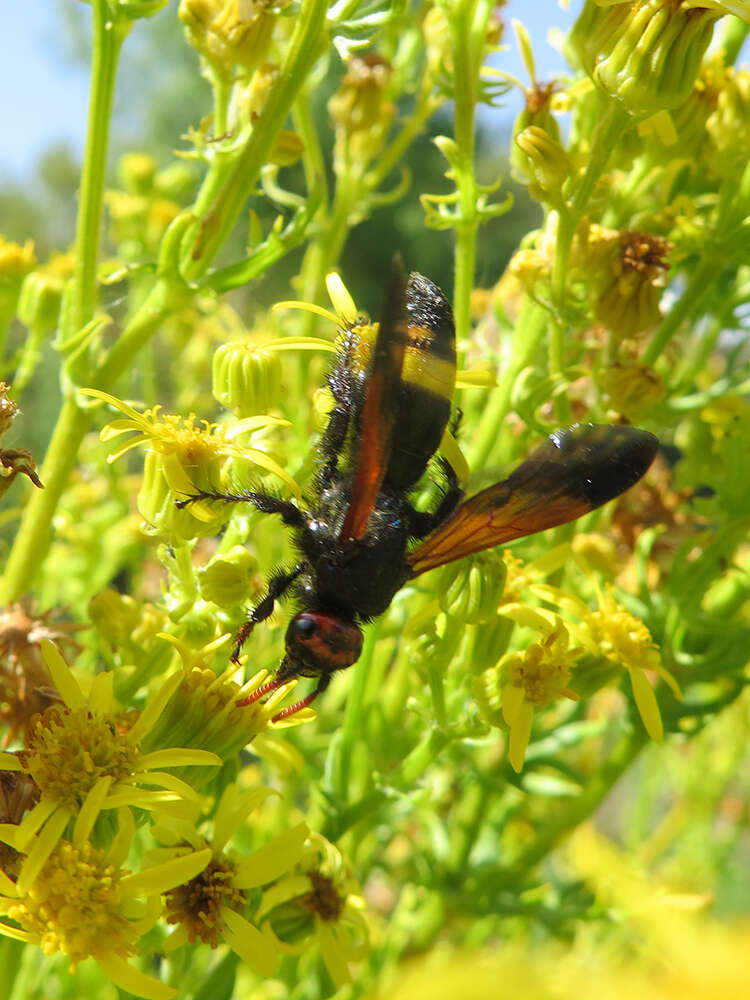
(470, 589)
(631, 388)
(227, 579)
(729, 124)
(644, 54)
(361, 112)
(547, 163)
(135, 171)
(230, 34)
(626, 298)
(246, 377)
(41, 293)
(15, 263)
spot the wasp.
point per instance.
(361, 538)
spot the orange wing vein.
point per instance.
(575, 471)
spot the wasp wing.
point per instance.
(575, 471)
(379, 408)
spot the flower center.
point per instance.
(68, 751)
(198, 903)
(324, 901)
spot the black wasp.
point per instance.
(361, 539)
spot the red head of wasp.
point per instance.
(361, 539)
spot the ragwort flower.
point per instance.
(626, 296)
(213, 905)
(321, 900)
(645, 54)
(182, 459)
(85, 757)
(81, 902)
(523, 682)
(203, 707)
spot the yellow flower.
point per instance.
(623, 640)
(183, 459)
(631, 388)
(645, 54)
(15, 260)
(320, 900)
(524, 681)
(84, 757)
(81, 902)
(230, 33)
(207, 709)
(361, 112)
(212, 905)
(626, 296)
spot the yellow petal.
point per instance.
(332, 955)
(519, 736)
(306, 307)
(62, 678)
(17, 934)
(130, 979)
(450, 449)
(41, 849)
(10, 762)
(511, 704)
(101, 693)
(177, 757)
(272, 859)
(340, 298)
(648, 706)
(155, 705)
(251, 945)
(163, 877)
(92, 806)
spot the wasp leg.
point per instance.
(421, 522)
(290, 514)
(278, 585)
(323, 683)
(331, 443)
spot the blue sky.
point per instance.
(46, 96)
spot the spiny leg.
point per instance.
(290, 514)
(278, 585)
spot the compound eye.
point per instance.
(304, 626)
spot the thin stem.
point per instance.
(352, 729)
(598, 787)
(108, 36)
(688, 305)
(208, 236)
(34, 534)
(468, 21)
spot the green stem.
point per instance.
(108, 36)
(598, 787)
(468, 822)
(412, 768)
(353, 721)
(207, 237)
(467, 18)
(688, 305)
(487, 445)
(34, 534)
(735, 33)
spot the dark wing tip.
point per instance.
(609, 459)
